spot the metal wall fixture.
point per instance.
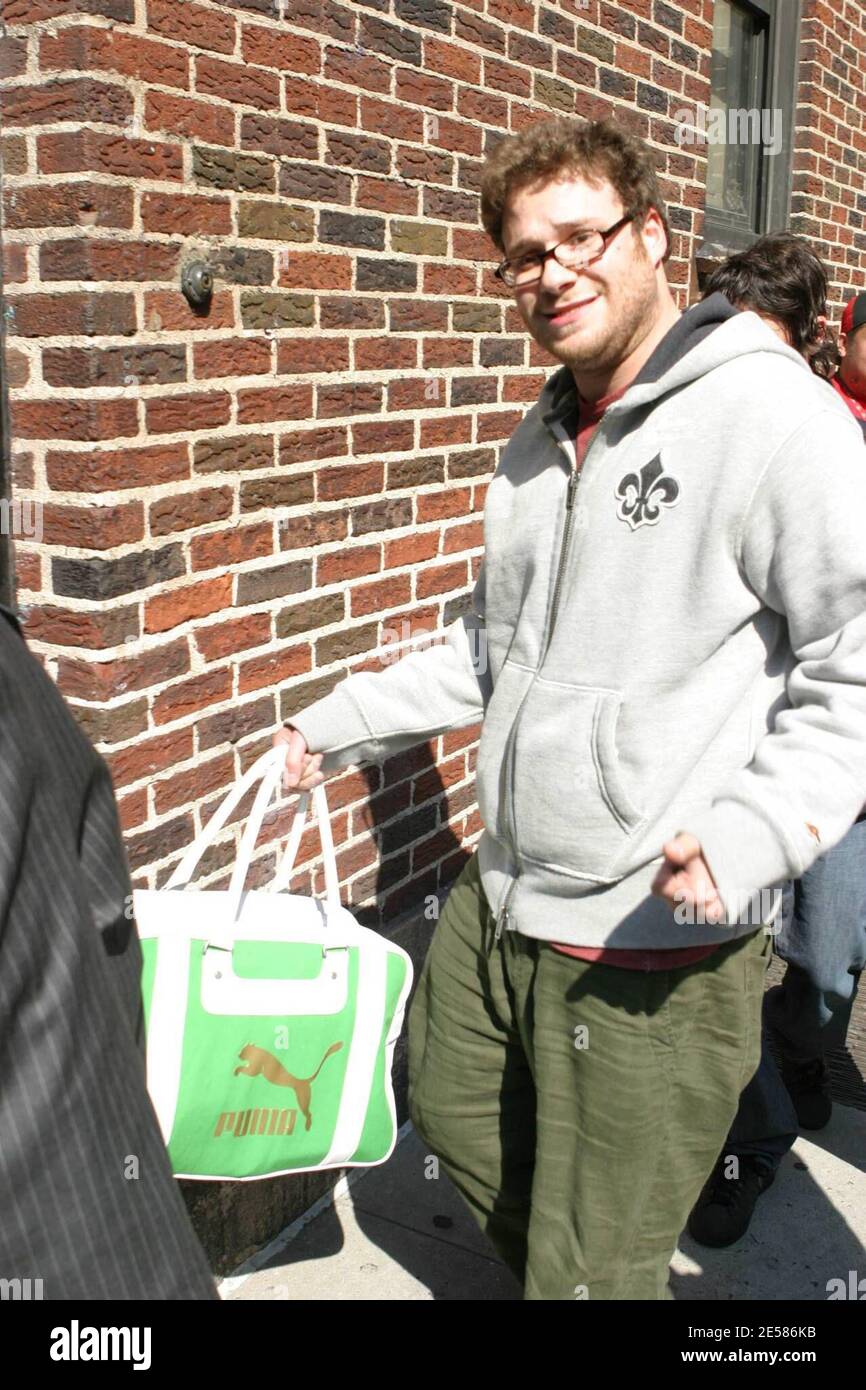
(196, 281)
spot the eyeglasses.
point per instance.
(576, 251)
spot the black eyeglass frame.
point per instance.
(606, 238)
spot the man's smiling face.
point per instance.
(591, 318)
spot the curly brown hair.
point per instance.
(561, 146)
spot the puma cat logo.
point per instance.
(259, 1062)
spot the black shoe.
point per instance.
(722, 1213)
(808, 1085)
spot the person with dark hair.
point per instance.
(674, 722)
(850, 379)
(821, 927)
(782, 280)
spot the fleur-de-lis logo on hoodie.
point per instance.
(643, 495)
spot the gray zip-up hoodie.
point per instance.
(672, 639)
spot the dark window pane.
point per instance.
(734, 121)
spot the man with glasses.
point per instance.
(674, 723)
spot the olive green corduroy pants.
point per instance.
(578, 1108)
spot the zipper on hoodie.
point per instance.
(503, 920)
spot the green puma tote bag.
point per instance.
(271, 1017)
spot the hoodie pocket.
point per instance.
(572, 806)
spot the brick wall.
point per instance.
(828, 199)
(237, 507)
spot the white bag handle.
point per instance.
(284, 872)
(188, 864)
(269, 769)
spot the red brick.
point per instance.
(347, 564)
(32, 11)
(386, 195)
(194, 783)
(440, 579)
(466, 537)
(353, 480)
(350, 399)
(412, 86)
(28, 569)
(132, 809)
(17, 368)
(448, 429)
(113, 51)
(74, 419)
(378, 437)
(231, 547)
(64, 99)
(460, 738)
(314, 270)
(385, 354)
(385, 593)
(69, 151)
(274, 668)
(13, 57)
(201, 411)
(274, 403)
(233, 357)
(195, 119)
(96, 528)
(354, 69)
(451, 61)
(430, 785)
(494, 424)
(186, 213)
(93, 258)
(111, 471)
(73, 627)
(433, 506)
(13, 264)
(414, 622)
(302, 445)
(401, 122)
(192, 601)
(288, 52)
(298, 532)
(168, 311)
(161, 841)
(357, 856)
(192, 24)
(68, 205)
(219, 640)
(188, 697)
(411, 550)
(150, 755)
(312, 355)
(45, 315)
(236, 82)
(99, 681)
(181, 510)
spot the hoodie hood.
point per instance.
(707, 335)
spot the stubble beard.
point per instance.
(633, 319)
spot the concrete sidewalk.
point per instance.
(399, 1232)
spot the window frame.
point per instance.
(720, 236)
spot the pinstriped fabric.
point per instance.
(74, 1111)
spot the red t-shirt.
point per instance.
(662, 959)
(854, 403)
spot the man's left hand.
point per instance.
(684, 878)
